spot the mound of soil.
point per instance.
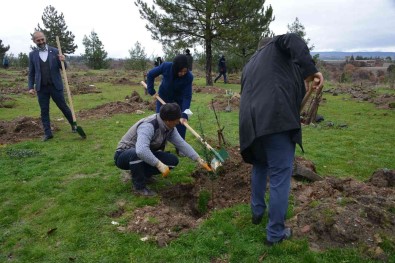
(329, 213)
(21, 129)
(134, 103)
(208, 90)
(226, 102)
(361, 93)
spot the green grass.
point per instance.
(56, 197)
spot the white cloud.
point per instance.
(117, 23)
(352, 25)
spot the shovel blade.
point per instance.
(81, 132)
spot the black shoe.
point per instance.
(287, 235)
(47, 137)
(144, 192)
(73, 129)
(256, 220)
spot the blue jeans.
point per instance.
(276, 163)
(141, 171)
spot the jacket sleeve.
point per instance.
(152, 74)
(297, 49)
(32, 72)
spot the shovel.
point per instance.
(80, 131)
(219, 157)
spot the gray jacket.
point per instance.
(150, 135)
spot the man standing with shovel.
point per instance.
(46, 80)
(141, 149)
(272, 89)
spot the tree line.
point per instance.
(231, 27)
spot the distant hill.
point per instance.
(338, 55)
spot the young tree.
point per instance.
(95, 55)
(54, 25)
(297, 28)
(205, 23)
(138, 58)
(3, 50)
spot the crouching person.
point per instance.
(141, 149)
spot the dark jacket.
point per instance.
(172, 88)
(222, 65)
(190, 61)
(35, 71)
(272, 89)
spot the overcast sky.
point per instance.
(331, 25)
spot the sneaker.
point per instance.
(287, 235)
(256, 220)
(144, 192)
(73, 129)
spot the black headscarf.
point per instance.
(179, 62)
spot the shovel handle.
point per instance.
(307, 96)
(156, 95)
(208, 146)
(66, 82)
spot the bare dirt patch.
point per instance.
(329, 213)
(21, 129)
(226, 103)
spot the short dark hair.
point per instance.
(170, 112)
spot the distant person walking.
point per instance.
(6, 62)
(221, 69)
(189, 59)
(45, 79)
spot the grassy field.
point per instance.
(56, 197)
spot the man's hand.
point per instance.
(32, 92)
(317, 81)
(163, 168)
(183, 120)
(204, 164)
(61, 57)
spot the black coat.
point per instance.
(272, 89)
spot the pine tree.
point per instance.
(95, 55)
(298, 28)
(207, 23)
(138, 58)
(55, 25)
(3, 50)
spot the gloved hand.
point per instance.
(163, 168)
(204, 164)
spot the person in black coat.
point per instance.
(272, 89)
(189, 59)
(221, 69)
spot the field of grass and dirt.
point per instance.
(64, 200)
